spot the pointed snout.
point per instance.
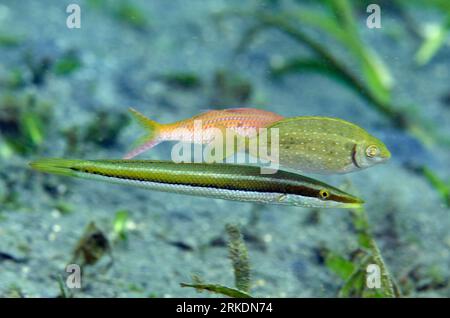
(385, 154)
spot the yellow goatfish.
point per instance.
(242, 121)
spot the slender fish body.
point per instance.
(222, 181)
(324, 145)
(242, 121)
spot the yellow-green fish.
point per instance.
(323, 145)
(222, 181)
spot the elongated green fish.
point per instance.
(323, 145)
(223, 181)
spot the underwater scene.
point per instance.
(261, 148)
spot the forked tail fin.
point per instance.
(150, 139)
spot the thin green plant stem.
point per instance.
(367, 241)
(282, 25)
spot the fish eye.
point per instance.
(324, 194)
(372, 151)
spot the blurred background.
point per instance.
(65, 93)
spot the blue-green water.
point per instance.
(65, 93)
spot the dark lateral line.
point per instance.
(287, 190)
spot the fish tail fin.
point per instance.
(150, 139)
(150, 125)
(57, 166)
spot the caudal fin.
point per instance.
(57, 166)
(147, 141)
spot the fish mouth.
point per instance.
(387, 155)
(353, 203)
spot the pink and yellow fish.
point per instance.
(242, 121)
